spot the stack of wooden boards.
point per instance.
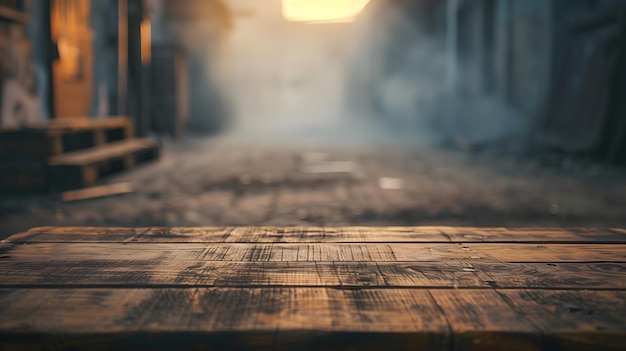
(70, 153)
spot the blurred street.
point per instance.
(227, 181)
(389, 112)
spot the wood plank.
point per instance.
(574, 320)
(548, 252)
(76, 234)
(199, 252)
(534, 235)
(233, 235)
(325, 235)
(85, 319)
(66, 135)
(102, 153)
(336, 235)
(94, 164)
(289, 319)
(609, 275)
(56, 272)
(97, 192)
(362, 252)
(482, 320)
(133, 273)
(313, 288)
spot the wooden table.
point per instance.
(404, 288)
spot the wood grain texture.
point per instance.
(136, 273)
(535, 235)
(323, 235)
(363, 252)
(161, 253)
(231, 288)
(574, 320)
(549, 252)
(482, 320)
(94, 271)
(313, 318)
(561, 275)
(253, 318)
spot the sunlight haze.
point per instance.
(322, 10)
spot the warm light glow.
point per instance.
(146, 41)
(322, 10)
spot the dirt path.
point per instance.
(217, 182)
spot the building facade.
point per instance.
(538, 75)
(93, 58)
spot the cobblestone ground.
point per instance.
(219, 182)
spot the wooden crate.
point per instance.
(84, 168)
(33, 158)
(59, 136)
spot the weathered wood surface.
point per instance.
(429, 288)
(316, 252)
(324, 235)
(154, 273)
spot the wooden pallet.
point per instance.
(65, 135)
(84, 168)
(41, 156)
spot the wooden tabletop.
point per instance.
(392, 288)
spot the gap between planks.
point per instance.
(288, 286)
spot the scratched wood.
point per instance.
(398, 288)
(561, 275)
(449, 274)
(273, 317)
(499, 326)
(85, 319)
(549, 252)
(323, 235)
(574, 320)
(239, 274)
(355, 252)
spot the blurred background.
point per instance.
(312, 113)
